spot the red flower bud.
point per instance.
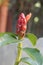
(22, 24)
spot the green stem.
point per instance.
(19, 54)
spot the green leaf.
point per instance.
(11, 34)
(32, 38)
(29, 61)
(34, 54)
(42, 60)
(8, 38)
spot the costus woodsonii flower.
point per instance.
(22, 24)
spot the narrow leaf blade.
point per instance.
(32, 38)
(34, 54)
(8, 38)
(29, 61)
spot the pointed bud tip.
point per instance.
(22, 15)
(30, 13)
(28, 16)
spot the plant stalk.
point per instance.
(19, 54)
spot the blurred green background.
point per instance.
(35, 24)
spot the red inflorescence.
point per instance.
(22, 24)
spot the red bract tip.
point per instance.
(22, 24)
(22, 19)
(28, 16)
(22, 15)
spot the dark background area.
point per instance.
(35, 24)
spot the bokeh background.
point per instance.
(35, 24)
